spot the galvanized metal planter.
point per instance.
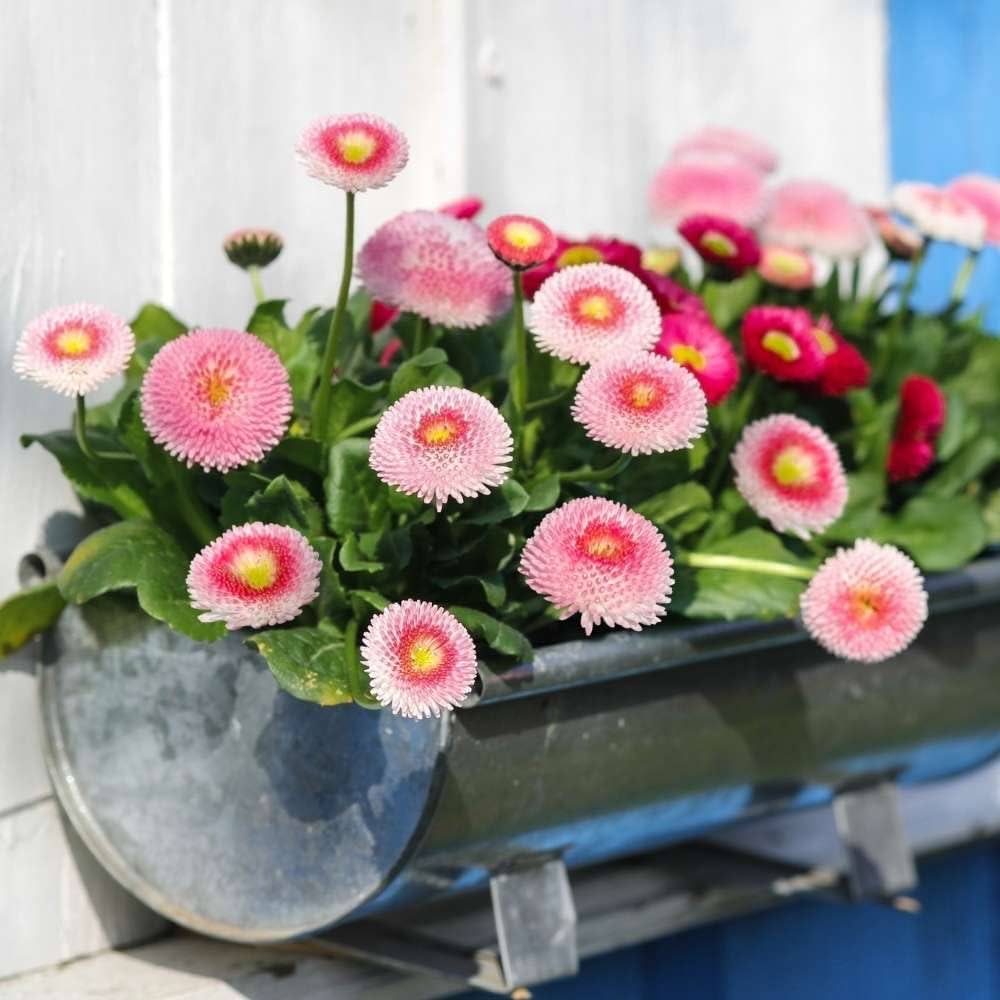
(236, 810)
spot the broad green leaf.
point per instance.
(332, 600)
(356, 500)
(268, 323)
(27, 613)
(285, 501)
(307, 662)
(139, 555)
(506, 501)
(865, 496)
(991, 514)
(952, 435)
(349, 402)
(940, 533)
(727, 301)
(133, 434)
(153, 322)
(427, 368)
(499, 637)
(544, 494)
(370, 598)
(491, 584)
(666, 507)
(971, 462)
(353, 558)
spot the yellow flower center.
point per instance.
(826, 343)
(685, 354)
(522, 235)
(866, 602)
(603, 546)
(255, 568)
(74, 341)
(788, 265)
(595, 307)
(718, 243)
(794, 466)
(439, 431)
(642, 395)
(425, 654)
(217, 387)
(781, 344)
(356, 146)
(579, 254)
(661, 260)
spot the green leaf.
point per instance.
(663, 508)
(153, 322)
(865, 496)
(285, 501)
(499, 637)
(976, 458)
(356, 500)
(371, 598)
(133, 434)
(332, 599)
(544, 494)
(953, 433)
(268, 323)
(307, 662)
(27, 613)
(427, 368)
(492, 585)
(349, 402)
(502, 503)
(353, 558)
(940, 533)
(732, 594)
(139, 555)
(727, 301)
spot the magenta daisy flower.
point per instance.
(521, 241)
(442, 443)
(420, 658)
(216, 398)
(865, 603)
(692, 341)
(719, 185)
(786, 267)
(592, 311)
(602, 560)
(780, 341)
(940, 214)
(254, 575)
(714, 141)
(983, 194)
(464, 208)
(353, 152)
(815, 215)
(790, 473)
(436, 266)
(721, 241)
(640, 404)
(73, 349)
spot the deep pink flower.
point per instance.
(844, 367)
(672, 297)
(815, 215)
(464, 208)
(865, 603)
(420, 658)
(437, 267)
(441, 443)
(790, 473)
(391, 349)
(983, 193)
(722, 186)
(923, 409)
(521, 241)
(780, 342)
(253, 247)
(640, 404)
(786, 267)
(713, 141)
(73, 349)
(661, 260)
(593, 311)
(353, 152)
(253, 576)
(721, 241)
(381, 316)
(902, 242)
(602, 560)
(593, 250)
(695, 343)
(940, 214)
(216, 398)
(909, 458)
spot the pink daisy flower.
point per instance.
(940, 214)
(73, 349)
(696, 344)
(844, 367)
(717, 185)
(591, 311)
(436, 266)
(216, 398)
(909, 458)
(983, 194)
(661, 260)
(441, 443)
(254, 575)
(521, 241)
(593, 250)
(728, 141)
(789, 472)
(721, 241)
(780, 341)
(640, 404)
(602, 560)
(902, 242)
(353, 152)
(253, 247)
(672, 297)
(463, 208)
(865, 603)
(420, 658)
(786, 267)
(816, 216)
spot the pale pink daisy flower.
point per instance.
(714, 185)
(216, 398)
(442, 443)
(254, 575)
(602, 560)
(865, 603)
(983, 193)
(640, 404)
(436, 266)
(420, 658)
(353, 152)
(815, 215)
(593, 311)
(790, 473)
(713, 140)
(73, 349)
(940, 214)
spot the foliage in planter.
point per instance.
(369, 547)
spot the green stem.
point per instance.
(355, 672)
(709, 560)
(364, 424)
(739, 422)
(420, 332)
(520, 395)
(322, 402)
(587, 475)
(258, 289)
(80, 428)
(192, 510)
(962, 277)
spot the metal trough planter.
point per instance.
(238, 811)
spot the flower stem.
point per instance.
(190, 507)
(740, 419)
(322, 402)
(962, 277)
(587, 475)
(710, 560)
(520, 394)
(420, 331)
(80, 428)
(258, 288)
(885, 364)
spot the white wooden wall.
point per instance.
(137, 133)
